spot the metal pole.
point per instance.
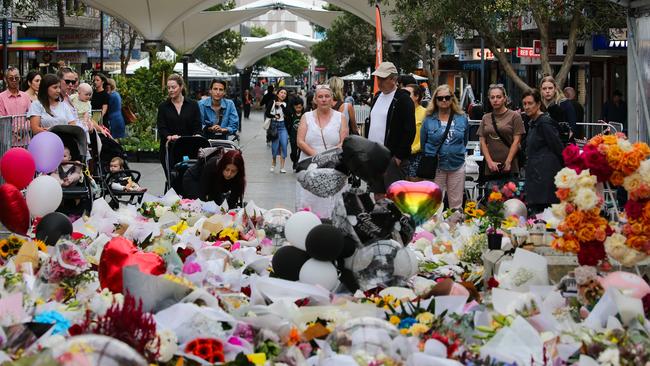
(101, 41)
(5, 36)
(483, 72)
(186, 78)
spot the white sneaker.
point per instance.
(283, 171)
(272, 169)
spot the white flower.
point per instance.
(586, 180)
(559, 210)
(586, 199)
(168, 345)
(610, 357)
(644, 170)
(632, 182)
(160, 210)
(617, 249)
(566, 178)
(421, 244)
(624, 145)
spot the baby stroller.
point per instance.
(180, 155)
(109, 150)
(74, 138)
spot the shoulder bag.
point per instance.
(521, 155)
(429, 164)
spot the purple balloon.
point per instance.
(47, 149)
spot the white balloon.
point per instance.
(298, 226)
(315, 272)
(406, 263)
(514, 207)
(43, 195)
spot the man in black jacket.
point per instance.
(392, 123)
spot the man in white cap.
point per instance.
(392, 123)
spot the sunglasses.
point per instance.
(323, 86)
(69, 82)
(13, 78)
(496, 86)
(443, 97)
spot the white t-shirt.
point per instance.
(62, 114)
(378, 117)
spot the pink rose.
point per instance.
(191, 267)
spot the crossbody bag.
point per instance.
(429, 164)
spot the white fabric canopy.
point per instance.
(357, 76)
(418, 77)
(151, 18)
(365, 11)
(255, 48)
(196, 70)
(271, 72)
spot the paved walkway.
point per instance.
(268, 190)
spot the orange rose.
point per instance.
(574, 219)
(600, 235)
(646, 211)
(562, 194)
(586, 234)
(642, 148)
(565, 244)
(637, 228)
(610, 140)
(617, 178)
(495, 196)
(596, 140)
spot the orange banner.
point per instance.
(379, 48)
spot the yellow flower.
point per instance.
(404, 331)
(229, 233)
(495, 196)
(394, 319)
(425, 318)
(178, 280)
(418, 329)
(470, 204)
(180, 227)
(41, 245)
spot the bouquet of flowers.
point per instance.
(583, 229)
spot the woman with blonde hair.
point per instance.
(320, 129)
(339, 104)
(557, 106)
(443, 137)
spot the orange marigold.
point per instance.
(610, 140)
(495, 196)
(574, 219)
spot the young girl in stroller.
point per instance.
(122, 181)
(221, 177)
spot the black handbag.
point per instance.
(429, 164)
(272, 132)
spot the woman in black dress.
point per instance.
(177, 116)
(222, 177)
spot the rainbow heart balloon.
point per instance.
(421, 200)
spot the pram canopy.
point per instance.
(74, 138)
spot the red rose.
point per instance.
(597, 163)
(591, 253)
(634, 209)
(492, 283)
(572, 158)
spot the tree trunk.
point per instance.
(60, 12)
(436, 65)
(496, 47)
(542, 25)
(571, 50)
(133, 35)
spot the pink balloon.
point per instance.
(17, 167)
(628, 282)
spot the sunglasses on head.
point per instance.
(69, 82)
(443, 97)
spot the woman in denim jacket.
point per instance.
(450, 175)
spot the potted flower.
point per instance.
(494, 215)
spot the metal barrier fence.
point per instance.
(15, 131)
(361, 113)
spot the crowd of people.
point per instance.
(426, 134)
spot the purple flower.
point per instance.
(191, 267)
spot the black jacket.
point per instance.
(400, 130)
(286, 110)
(169, 122)
(544, 151)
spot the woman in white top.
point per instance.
(48, 111)
(320, 129)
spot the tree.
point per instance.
(222, 50)
(349, 45)
(496, 23)
(424, 24)
(257, 31)
(288, 60)
(126, 37)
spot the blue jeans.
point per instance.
(281, 141)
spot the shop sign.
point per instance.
(537, 45)
(563, 44)
(82, 39)
(526, 52)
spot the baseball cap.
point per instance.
(385, 69)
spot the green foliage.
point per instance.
(288, 60)
(349, 45)
(221, 51)
(257, 31)
(143, 92)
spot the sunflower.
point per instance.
(4, 248)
